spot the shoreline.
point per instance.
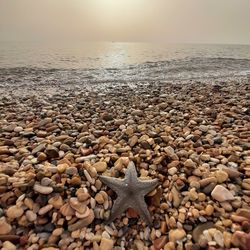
(193, 137)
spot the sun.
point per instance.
(118, 15)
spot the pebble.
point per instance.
(82, 222)
(220, 193)
(5, 227)
(241, 239)
(7, 245)
(71, 171)
(45, 209)
(198, 230)
(209, 210)
(56, 201)
(177, 235)
(172, 170)
(221, 176)
(100, 166)
(160, 242)
(99, 198)
(189, 164)
(14, 212)
(106, 244)
(52, 151)
(42, 189)
(30, 215)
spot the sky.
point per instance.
(192, 21)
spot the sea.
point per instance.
(98, 62)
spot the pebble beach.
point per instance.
(56, 139)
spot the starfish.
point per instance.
(130, 193)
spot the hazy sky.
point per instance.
(205, 21)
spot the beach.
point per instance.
(56, 139)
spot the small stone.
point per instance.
(4, 150)
(99, 198)
(220, 193)
(160, 242)
(137, 112)
(71, 171)
(84, 214)
(107, 117)
(82, 222)
(100, 166)
(189, 164)
(52, 151)
(56, 201)
(41, 157)
(57, 231)
(206, 181)
(171, 246)
(241, 239)
(77, 205)
(244, 212)
(193, 195)
(209, 210)
(198, 230)
(246, 184)
(14, 212)
(67, 210)
(46, 181)
(38, 148)
(176, 197)
(42, 189)
(133, 140)
(45, 209)
(30, 215)
(76, 181)
(203, 128)
(62, 167)
(221, 176)
(218, 237)
(5, 228)
(7, 245)
(82, 196)
(132, 213)
(18, 129)
(177, 234)
(139, 244)
(106, 244)
(172, 170)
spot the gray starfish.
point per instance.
(130, 193)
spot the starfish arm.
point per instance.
(147, 186)
(130, 173)
(114, 183)
(141, 207)
(120, 205)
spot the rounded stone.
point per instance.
(220, 193)
(221, 176)
(42, 189)
(14, 212)
(82, 222)
(177, 234)
(209, 210)
(99, 198)
(106, 244)
(7, 245)
(30, 215)
(172, 170)
(100, 166)
(5, 227)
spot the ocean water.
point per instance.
(120, 62)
